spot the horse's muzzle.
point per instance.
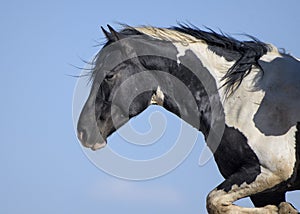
(82, 136)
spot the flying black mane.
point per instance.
(245, 53)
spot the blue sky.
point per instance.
(43, 167)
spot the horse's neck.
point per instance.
(192, 93)
(187, 97)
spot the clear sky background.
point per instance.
(43, 167)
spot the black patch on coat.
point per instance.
(236, 160)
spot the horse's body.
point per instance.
(248, 90)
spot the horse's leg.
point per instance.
(268, 198)
(220, 200)
(287, 208)
(273, 198)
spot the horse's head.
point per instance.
(120, 89)
(142, 66)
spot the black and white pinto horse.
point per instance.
(253, 89)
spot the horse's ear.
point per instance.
(112, 35)
(107, 34)
(115, 35)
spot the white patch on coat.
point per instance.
(181, 52)
(158, 97)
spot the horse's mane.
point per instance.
(245, 53)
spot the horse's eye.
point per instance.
(109, 76)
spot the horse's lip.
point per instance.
(98, 146)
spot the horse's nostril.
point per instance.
(81, 134)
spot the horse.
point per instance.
(242, 95)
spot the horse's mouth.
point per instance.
(90, 143)
(98, 146)
(95, 146)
